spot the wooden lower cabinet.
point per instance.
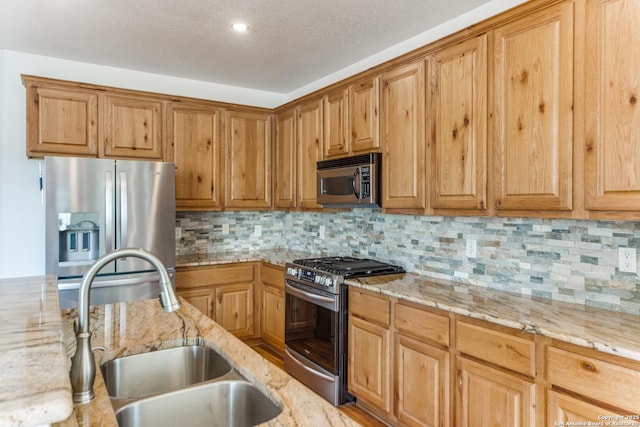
(273, 305)
(224, 293)
(563, 410)
(369, 364)
(487, 397)
(421, 383)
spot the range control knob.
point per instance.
(292, 271)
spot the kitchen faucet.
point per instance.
(83, 368)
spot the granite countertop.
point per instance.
(610, 332)
(31, 392)
(142, 326)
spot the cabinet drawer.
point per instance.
(272, 276)
(422, 324)
(211, 276)
(606, 382)
(370, 307)
(508, 351)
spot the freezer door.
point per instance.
(79, 214)
(145, 212)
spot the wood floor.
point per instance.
(351, 410)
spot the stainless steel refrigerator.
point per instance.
(94, 206)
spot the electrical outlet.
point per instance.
(321, 232)
(627, 260)
(257, 231)
(178, 233)
(225, 229)
(471, 248)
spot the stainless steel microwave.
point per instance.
(349, 181)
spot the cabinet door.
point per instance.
(336, 124)
(309, 152)
(612, 121)
(421, 383)
(234, 309)
(364, 101)
(248, 160)
(458, 118)
(273, 305)
(273, 313)
(285, 159)
(61, 121)
(369, 363)
(533, 111)
(562, 409)
(202, 299)
(488, 397)
(194, 146)
(402, 127)
(132, 127)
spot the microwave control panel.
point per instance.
(365, 182)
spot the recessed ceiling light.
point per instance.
(240, 27)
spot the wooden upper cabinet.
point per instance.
(612, 94)
(533, 118)
(364, 105)
(132, 127)
(60, 120)
(309, 152)
(402, 129)
(248, 160)
(194, 146)
(336, 124)
(458, 125)
(285, 159)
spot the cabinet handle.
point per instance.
(459, 380)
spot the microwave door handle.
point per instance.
(356, 178)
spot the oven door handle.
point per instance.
(326, 302)
(294, 358)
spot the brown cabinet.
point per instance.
(364, 106)
(563, 410)
(247, 154)
(309, 152)
(224, 293)
(369, 350)
(612, 119)
(490, 397)
(533, 111)
(194, 147)
(402, 130)
(273, 305)
(421, 359)
(457, 119)
(336, 124)
(594, 378)
(60, 120)
(132, 127)
(285, 159)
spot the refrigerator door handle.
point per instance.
(108, 215)
(124, 211)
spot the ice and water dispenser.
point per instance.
(78, 236)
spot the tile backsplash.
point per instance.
(568, 260)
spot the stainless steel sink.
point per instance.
(162, 371)
(217, 404)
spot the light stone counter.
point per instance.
(34, 369)
(142, 326)
(607, 331)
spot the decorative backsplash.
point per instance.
(568, 260)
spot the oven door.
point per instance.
(312, 340)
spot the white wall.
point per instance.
(21, 210)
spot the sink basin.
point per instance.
(162, 371)
(218, 404)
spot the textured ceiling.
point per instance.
(291, 43)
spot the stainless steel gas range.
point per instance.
(316, 320)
